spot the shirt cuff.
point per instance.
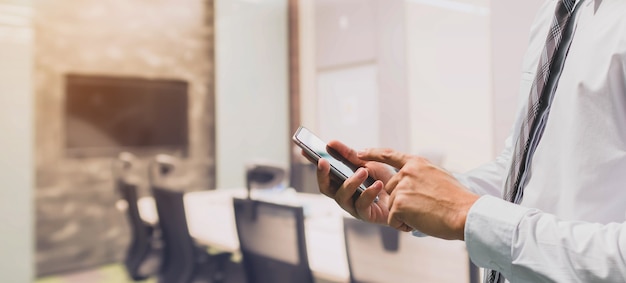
(489, 229)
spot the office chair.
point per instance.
(184, 261)
(143, 255)
(379, 254)
(161, 167)
(272, 242)
(263, 175)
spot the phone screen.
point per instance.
(316, 148)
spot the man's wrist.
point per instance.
(462, 214)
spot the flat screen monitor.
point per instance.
(106, 115)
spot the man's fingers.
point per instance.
(323, 178)
(394, 219)
(391, 184)
(344, 195)
(368, 196)
(384, 155)
(347, 152)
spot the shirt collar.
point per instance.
(596, 3)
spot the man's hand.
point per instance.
(423, 196)
(364, 207)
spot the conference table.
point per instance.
(211, 222)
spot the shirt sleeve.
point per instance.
(527, 245)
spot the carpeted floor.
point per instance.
(114, 273)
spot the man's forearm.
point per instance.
(528, 245)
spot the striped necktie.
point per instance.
(538, 107)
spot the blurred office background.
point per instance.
(218, 83)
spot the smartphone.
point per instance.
(341, 168)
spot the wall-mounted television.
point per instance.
(105, 115)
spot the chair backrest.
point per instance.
(365, 246)
(141, 244)
(178, 252)
(128, 191)
(379, 253)
(272, 242)
(162, 168)
(143, 252)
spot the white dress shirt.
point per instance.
(570, 226)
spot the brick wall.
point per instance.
(77, 224)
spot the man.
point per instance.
(563, 179)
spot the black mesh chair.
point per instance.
(184, 261)
(361, 238)
(143, 255)
(378, 254)
(272, 242)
